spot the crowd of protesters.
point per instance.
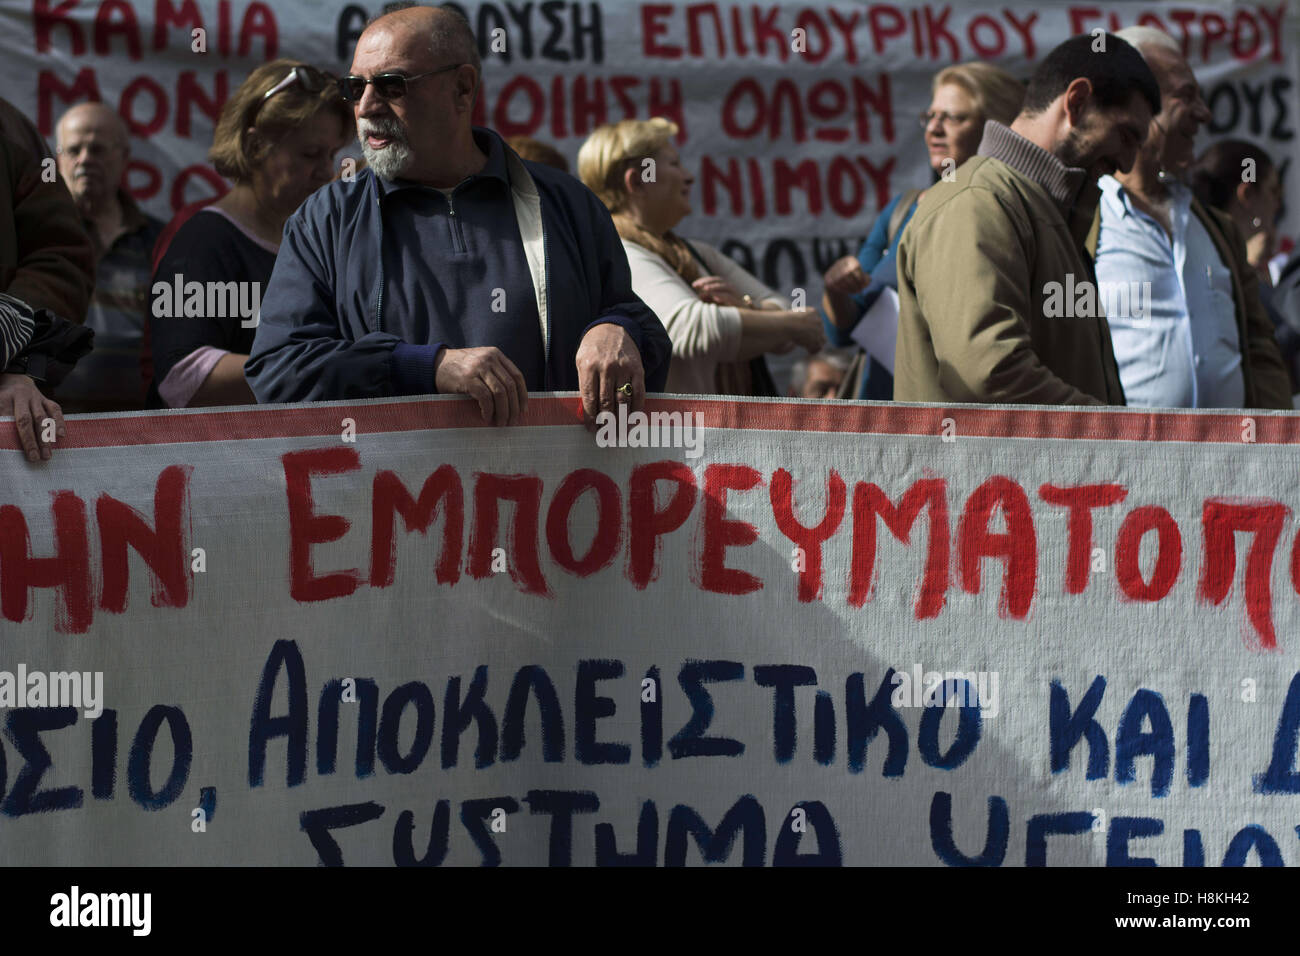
(1071, 250)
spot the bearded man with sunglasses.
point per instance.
(449, 265)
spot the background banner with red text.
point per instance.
(798, 120)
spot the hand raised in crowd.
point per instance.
(1259, 247)
(488, 377)
(804, 328)
(846, 276)
(608, 362)
(718, 291)
(23, 401)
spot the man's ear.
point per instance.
(466, 86)
(1078, 96)
(1243, 192)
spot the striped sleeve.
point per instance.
(16, 327)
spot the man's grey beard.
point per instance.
(391, 161)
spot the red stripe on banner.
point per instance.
(886, 418)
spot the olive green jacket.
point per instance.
(1268, 384)
(976, 263)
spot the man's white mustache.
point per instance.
(396, 134)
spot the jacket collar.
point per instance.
(504, 164)
(1061, 182)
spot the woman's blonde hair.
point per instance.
(613, 149)
(606, 155)
(237, 150)
(997, 94)
(603, 161)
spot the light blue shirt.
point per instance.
(1175, 340)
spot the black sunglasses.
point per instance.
(309, 78)
(390, 86)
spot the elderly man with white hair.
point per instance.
(93, 150)
(1180, 295)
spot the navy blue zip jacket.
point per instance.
(329, 330)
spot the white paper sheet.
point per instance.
(877, 333)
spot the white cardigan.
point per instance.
(703, 334)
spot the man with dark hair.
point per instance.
(990, 264)
(1115, 73)
(449, 265)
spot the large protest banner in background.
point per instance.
(798, 119)
(380, 633)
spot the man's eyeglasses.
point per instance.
(390, 86)
(309, 78)
(945, 118)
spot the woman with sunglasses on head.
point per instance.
(275, 140)
(963, 97)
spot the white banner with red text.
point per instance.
(741, 632)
